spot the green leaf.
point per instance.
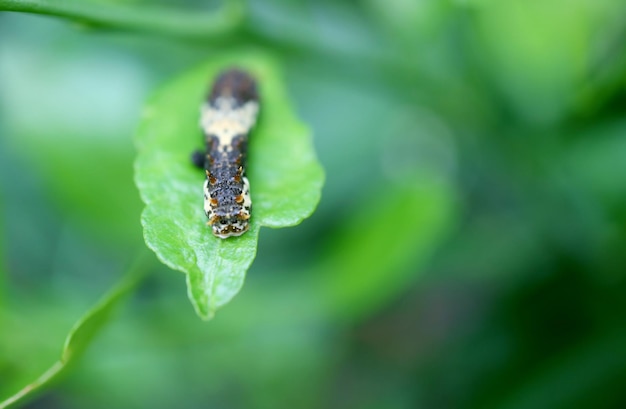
(83, 331)
(384, 245)
(285, 179)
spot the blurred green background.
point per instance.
(469, 250)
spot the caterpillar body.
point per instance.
(226, 118)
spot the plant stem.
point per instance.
(86, 328)
(42, 380)
(166, 21)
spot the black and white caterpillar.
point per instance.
(226, 119)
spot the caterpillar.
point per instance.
(226, 118)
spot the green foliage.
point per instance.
(119, 15)
(468, 251)
(82, 332)
(285, 180)
(360, 274)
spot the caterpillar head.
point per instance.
(230, 217)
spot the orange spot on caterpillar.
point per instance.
(239, 199)
(212, 179)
